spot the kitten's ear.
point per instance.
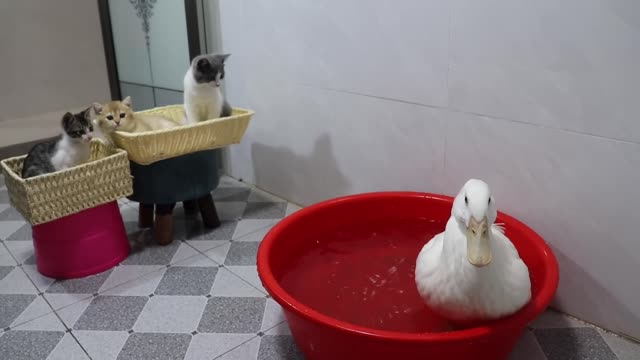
(224, 57)
(202, 63)
(127, 101)
(97, 107)
(87, 113)
(66, 118)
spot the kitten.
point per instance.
(119, 116)
(70, 149)
(203, 99)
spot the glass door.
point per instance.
(149, 46)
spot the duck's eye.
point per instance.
(466, 200)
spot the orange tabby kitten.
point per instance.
(119, 116)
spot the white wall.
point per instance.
(539, 98)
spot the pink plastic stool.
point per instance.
(82, 244)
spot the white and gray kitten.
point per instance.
(70, 149)
(203, 99)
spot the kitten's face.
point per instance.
(113, 115)
(78, 126)
(209, 69)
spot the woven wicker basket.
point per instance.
(49, 197)
(151, 146)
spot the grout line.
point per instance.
(236, 347)
(493, 117)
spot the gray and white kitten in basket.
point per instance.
(70, 149)
(203, 99)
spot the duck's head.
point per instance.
(475, 210)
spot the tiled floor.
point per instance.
(198, 298)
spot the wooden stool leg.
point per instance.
(190, 207)
(145, 215)
(208, 211)
(163, 229)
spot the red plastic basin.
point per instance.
(81, 244)
(311, 260)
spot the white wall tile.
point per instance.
(327, 144)
(564, 64)
(388, 49)
(578, 191)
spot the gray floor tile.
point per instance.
(146, 346)
(31, 260)
(111, 313)
(232, 193)
(29, 345)
(527, 348)
(10, 214)
(23, 233)
(15, 230)
(4, 197)
(573, 344)
(230, 210)
(12, 305)
(265, 210)
(197, 231)
(145, 251)
(68, 349)
(210, 346)
(247, 351)
(623, 348)
(232, 315)
(279, 347)
(171, 314)
(190, 280)
(5, 270)
(102, 345)
(86, 285)
(242, 253)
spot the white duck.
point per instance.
(471, 271)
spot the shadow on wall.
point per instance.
(598, 302)
(298, 178)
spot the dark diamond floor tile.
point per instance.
(242, 253)
(10, 214)
(279, 347)
(232, 315)
(192, 281)
(86, 285)
(29, 345)
(147, 346)
(145, 250)
(5, 270)
(573, 344)
(11, 306)
(111, 313)
(24, 234)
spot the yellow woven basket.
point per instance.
(48, 197)
(148, 147)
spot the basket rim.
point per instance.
(17, 177)
(182, 127)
